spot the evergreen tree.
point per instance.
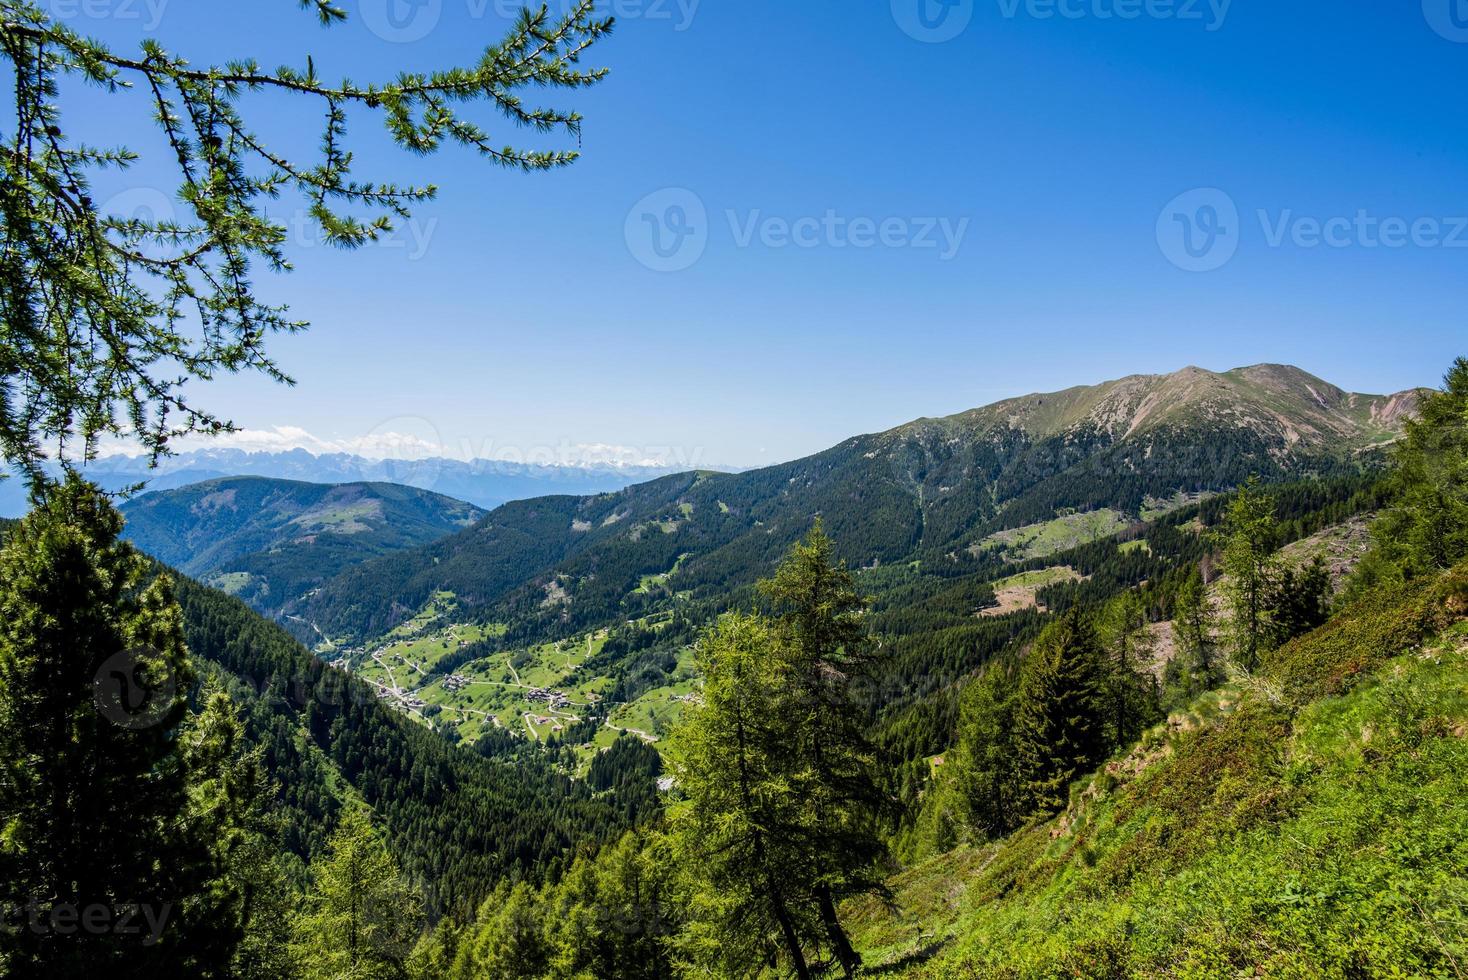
(1425, 530)
(819, 614)
(1251, 572)
(362, 920)
(615, 915)
(1061, 714)
(746, 832)
(1300, 603)
(985, 760)
(109, 843)
(509, 940)
(1131, 688)
(1196, 668)
(251, 905)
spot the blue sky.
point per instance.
(860, 221)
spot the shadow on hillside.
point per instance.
(907, 961)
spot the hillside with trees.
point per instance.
(272, 541)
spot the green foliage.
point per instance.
(1311, 828)
(1061, 712)
(990, 790)
(1425, 531)
(1131, 686)
(1251, 570)
(108, 317)
(115, 806)
(819, 618)
(746, 827)
(613, 914)
(1300, 603)
(361, 918)
(1197, 667)
(456, 821)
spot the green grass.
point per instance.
(1050, 537)
(1307, 823)
(496, 695)
(650, 583)
(1037, 579)
(232, 583)
(1155, 507)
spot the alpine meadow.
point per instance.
(615, 490)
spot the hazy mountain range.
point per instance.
(484, 483)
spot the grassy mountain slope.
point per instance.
(271, 541)
(932, 492)
(1307, 823)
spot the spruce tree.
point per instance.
(1061, 713)
(1301, 601)
(987, 770)
(1194, 630)
(105, 855)
(1131, 687)
(1425, 530)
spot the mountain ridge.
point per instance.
(930, 492)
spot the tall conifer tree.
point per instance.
(1061, 713)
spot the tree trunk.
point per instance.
(787, 928)
(850, 960)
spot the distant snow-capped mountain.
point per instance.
(484, 483)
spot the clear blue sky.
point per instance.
(528, 315)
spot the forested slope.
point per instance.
(458, 821)
(271, 541)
